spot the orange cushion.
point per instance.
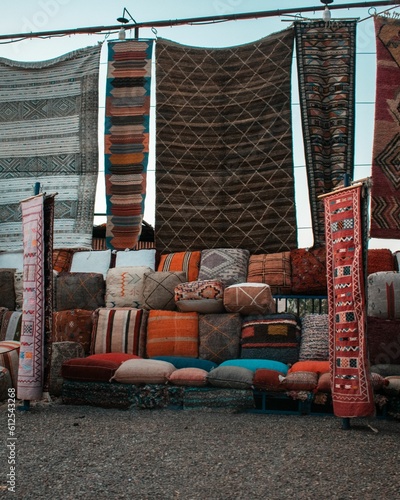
(181, 261)
(310, 366)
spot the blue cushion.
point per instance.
(185, 362)
(255, 364)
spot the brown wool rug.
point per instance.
(224, 171)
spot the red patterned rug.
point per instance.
(385, 192)
(352, 393)
(126, 139)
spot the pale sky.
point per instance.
(21, 16)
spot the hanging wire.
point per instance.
(373, 13)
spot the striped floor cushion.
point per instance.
(9, 358)
(271, 336)
(172, 333)
(119, 329)
(181, 261)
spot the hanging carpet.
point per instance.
(126, 139)
(346, 241)
(224, 166)
(37, 213)
(326, 71)
(48, 134)
(385, 192)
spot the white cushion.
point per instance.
(12, 260)
(95, 261)
(145, 257)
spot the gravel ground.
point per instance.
(70, 452)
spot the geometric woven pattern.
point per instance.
(31, 362)
(326, 67)
(219, 336)
(228, 265)
(352, 394)
(48, 134)
(385, 192)
(224, 173)
(126, 139)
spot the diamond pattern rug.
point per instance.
(326, 68)
(224, 172)
(385, 191)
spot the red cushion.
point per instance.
(267, 380)
(310, 366)
(117, 357)
(89, 370)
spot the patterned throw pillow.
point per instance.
(75, 325)
(309, 271)
(300, 381)
(274, 269)
(79, 291)
(219, 336)
(202, 296)
(119, 329)
(141, 258)
(172, 333)
(314, 343)
(159, 289)
(7, 290)
(9, 358)
(271, 336)
(249, 298)
(182, 261)
(384, 295)
(10, 325)
(124, 286)
(228, 265)
(62, 259)
(93, 261)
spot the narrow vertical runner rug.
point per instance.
(326, 70)
(127, 139)
(31, 360)
(224, 164)
(345, 219)
(385, 192)
(48, 134)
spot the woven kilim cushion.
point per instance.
(10, 325)
(249, 298)
(384, 295)
(62, 259)
(228, 265)
(172, 333)
(219, 336)
(300, 381)
(124, 286)
(7, 290)
(203, 296)
(218, 398)
(273, 336)
(5, 383)
(159, 289)
(9, 358)
(75, 325)
(181, 261)
(274, 269)
(380, 259)
(314, 342)
(79, 291)
(309, 271)
(119, 329)
(383, 341)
